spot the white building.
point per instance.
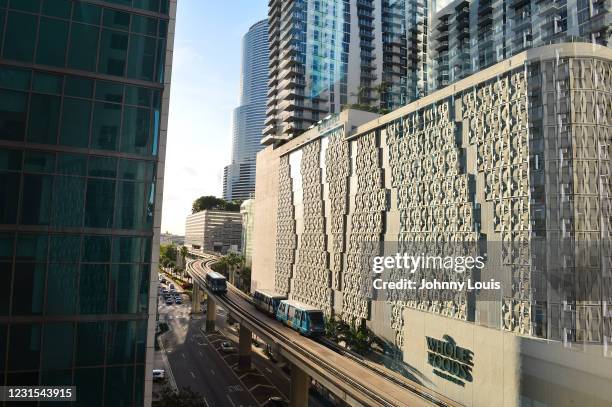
(213, 231)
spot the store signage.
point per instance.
(450, 361)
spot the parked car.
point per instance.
(178, 300)
(275, 402)
(169, 301)
(159, 374)
(172, 287)
(227, 347)
(165, 291)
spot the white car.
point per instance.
(159, 374)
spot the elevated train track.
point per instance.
(355, 380)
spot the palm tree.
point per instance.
(381, 88)
(184, 252)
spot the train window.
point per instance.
(291, 312)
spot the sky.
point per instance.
(204, 91)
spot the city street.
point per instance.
(197, 361)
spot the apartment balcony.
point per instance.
(441, 45)
(463, 33)
(270, 111)
(271, 91)
(367, 34)
(269, 130)
(365, 13)
(368, 4)
(518, 3)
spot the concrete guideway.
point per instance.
(352, 382)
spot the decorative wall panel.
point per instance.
(286, 240)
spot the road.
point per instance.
(197, 362)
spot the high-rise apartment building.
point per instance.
(326, 54)
(249, 117)
(84, 90)
(468, 36)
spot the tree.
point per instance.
(185, 397)
(167, 251)
(184, 252)
(245, 275)
(210, 202)
(335, 328)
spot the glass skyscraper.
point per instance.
(83, 113)
(249, 117)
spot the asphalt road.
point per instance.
(196, 364)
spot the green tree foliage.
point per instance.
(184, 251)
(212, 202)
(185, 397)
(167, 251)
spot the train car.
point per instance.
(267, 301)
(307, 320)
(216, 282)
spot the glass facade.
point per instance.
(81, 85)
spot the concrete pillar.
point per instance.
(244, 348)
(300, 384)
(196, 297)
(211, 314)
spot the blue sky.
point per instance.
(205, 85)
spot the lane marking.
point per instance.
(192, 375)
(205, 401)
(213, 372)
(183, 355)
(230, 400)
(200, 352)
(268, 370)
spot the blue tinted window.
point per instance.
(26, 5)
(127, 250)
(86, 13)
(47, 83)
(83, 47)
(73, 164)
(113, 52)
(58, 341)
(14, 78)
(103, 167)
(136, 134)
(133, 169)
(57, 8)
(28, 288)
(109, 91)
(44, 119)
(130, 206)
(76, 118)
(8, 201)
(89, 382)
(65, 249)
(36, 199)
(32, 248)
(107, 119)
(124, 288)
(37, 161)
(61, 289)
(141, 61)
(121, 339)
(93, 287)
(91, 343)
(96, 248)
(12, 115)
(7, 241)
(144, 25)
(68, 201)
(137, 96)
(119, 386)
(52, 42)
(24, 348)
(78, 86)
(116, 19)
(10, 159)
(20, 37)
(100, 203)
(5, 288)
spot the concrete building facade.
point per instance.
(214, 231)
(248, 119)
(515, 156)
(246, 210)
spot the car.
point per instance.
(165, 291)
(172, 286)
(169, 301)
(159, 374)
(275, 402)
(227, 347)
(178, 300)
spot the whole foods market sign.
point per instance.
(450, 361)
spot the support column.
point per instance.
(244, 348)
(211, 314)
(300, 384)
(196, 297)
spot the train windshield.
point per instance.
(316, 319)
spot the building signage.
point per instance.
(450, 361)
